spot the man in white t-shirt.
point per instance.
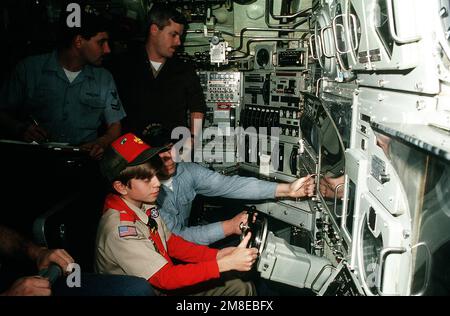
(156, 86)
(64, 96)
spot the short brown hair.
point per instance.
(161, 14)
(147, 170)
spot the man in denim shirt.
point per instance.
(186, 180)
(64, 96)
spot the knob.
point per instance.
(384, 178)
(215, 40)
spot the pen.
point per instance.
(37, 124)
(34, 121)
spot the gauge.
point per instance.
(215, 40)
(262, 57)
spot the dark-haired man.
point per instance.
(64, 96)
(155, 86)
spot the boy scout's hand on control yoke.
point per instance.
(240, 258)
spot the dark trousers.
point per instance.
(104, 285)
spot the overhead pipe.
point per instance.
(245, 29)
(269, 13)
(262, 39)
(301, 14)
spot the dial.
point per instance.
(215, 40)
(262, 57)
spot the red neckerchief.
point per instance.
(113, 201)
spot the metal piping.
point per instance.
(263, 39)
(292, 25)
(245, 29)
(302, 14)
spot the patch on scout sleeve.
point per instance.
(127, 231)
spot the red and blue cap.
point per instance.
(127, 150)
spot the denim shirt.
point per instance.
(191, 179)
(70, 112)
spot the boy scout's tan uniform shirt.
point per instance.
(134, 254)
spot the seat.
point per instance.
(71, 224)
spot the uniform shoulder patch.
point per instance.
(127, 231)
(115, 105)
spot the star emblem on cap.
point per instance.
(138, 140)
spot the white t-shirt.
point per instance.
(156, 65)
(71, 75)
(168, 183)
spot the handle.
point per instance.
(313, 46)
(328, 266)
(383, 255)
(394, 34)
(339, 52)
(319, 46)
(427, 269)
(353, 35)
(249, 227)
(355, 31)
(335, 31)
(52, 273)
(335, 199)
(322, 42)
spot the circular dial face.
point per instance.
(215, 40)
(262, 57)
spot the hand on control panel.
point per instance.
(328, 186)
(299, 188)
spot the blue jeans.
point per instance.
(104, 285)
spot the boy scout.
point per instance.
(132, 238)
